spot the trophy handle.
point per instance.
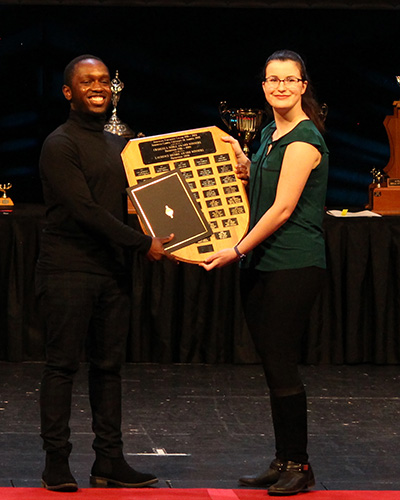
(227, 116)
(323, 112)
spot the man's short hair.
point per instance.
(70, 67)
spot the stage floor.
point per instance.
(203, 426)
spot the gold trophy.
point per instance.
(6, 203)
(246, 123)
(384, 191)
(114, 124)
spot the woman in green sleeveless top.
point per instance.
(283, 257)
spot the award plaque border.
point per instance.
(207, 164)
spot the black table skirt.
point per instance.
(182, 314)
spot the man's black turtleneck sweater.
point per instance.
(84, 185)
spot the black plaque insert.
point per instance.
(174, 148)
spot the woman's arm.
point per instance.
(299, 160)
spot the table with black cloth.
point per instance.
(184, 314)
(21, 335)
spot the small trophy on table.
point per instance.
(6, 203)
(247, 123)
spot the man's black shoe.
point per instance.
(116, 472)
(57, 474)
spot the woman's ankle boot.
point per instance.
(270, 476)
(295, 478)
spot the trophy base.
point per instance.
(6, 206)
(386, 200)
(6, 202)
(117, 127)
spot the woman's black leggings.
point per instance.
(277, 307)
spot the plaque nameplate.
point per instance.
(170, 148)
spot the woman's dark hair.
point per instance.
(309, 103)
(70, 67)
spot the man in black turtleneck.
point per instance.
(82, 279)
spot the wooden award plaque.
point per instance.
(206, 163)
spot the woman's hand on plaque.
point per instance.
(220, 259)
(242, 169)
(242, 173)
(240, 156)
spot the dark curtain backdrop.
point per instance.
(182, 314)
(178, 63)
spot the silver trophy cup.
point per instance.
(114, 124)
(245, 123)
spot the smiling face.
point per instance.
(90, 89)
(284, 96)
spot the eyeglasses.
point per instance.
(273, 82)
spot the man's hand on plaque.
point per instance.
(157, 251)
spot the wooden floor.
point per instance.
(203, 426)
